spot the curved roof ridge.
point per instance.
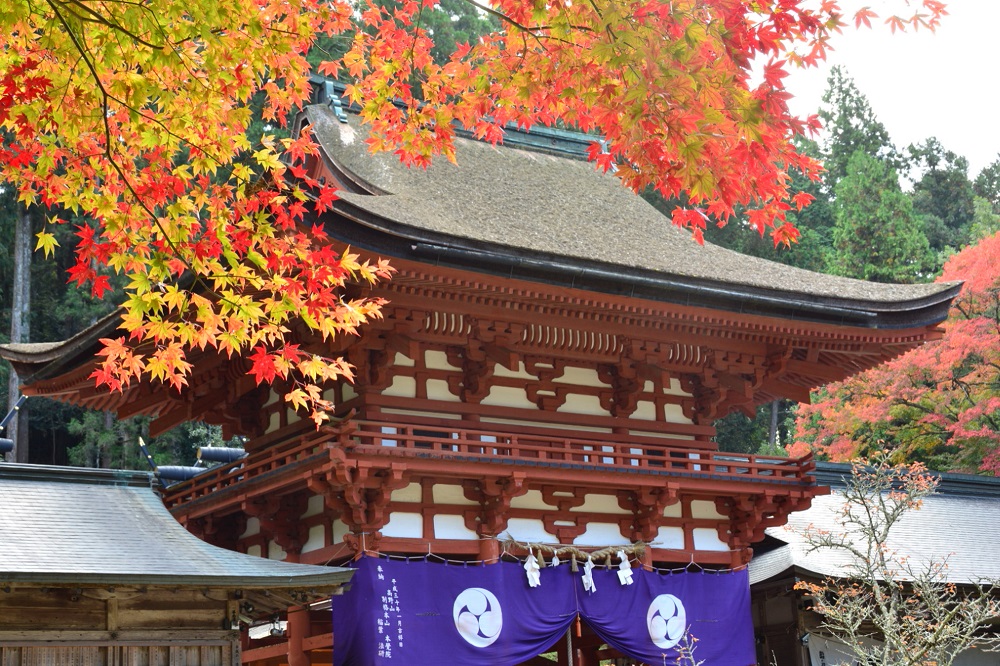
(547, 218)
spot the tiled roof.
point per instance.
(958, 527)
(535, 211)
(65, 526)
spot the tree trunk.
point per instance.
(772, 438)
(17, 429)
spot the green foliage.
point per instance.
(448, 24)
(877, 236)
(987, 184)
(737, 433)
(985, 220)
(455, 22)
(109, 443)
(943, 197)
(851, 126)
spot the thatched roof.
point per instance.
(511, 210)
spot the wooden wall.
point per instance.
(108, 627)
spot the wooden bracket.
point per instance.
(279, 518)
(647, 506)
(494, 496)
(360, 494)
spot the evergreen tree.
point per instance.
(943, 196)
(850, 127)
(987, 184)
(877, 236)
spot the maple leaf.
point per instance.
(138, 121)
(863, 17)
(46, 242)
(262, 365)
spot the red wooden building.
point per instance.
(548, 370)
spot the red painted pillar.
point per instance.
(298, 627)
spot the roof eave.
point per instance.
(378, 234)
(318, 585)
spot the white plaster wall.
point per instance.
(601, 534)
(595, 503)
(316, 540)
(415, 412)
(519, 373)
(403, 360)
(450, 494)
(674, 414)
(669, 537)
(273, 398)
(582, 404)
(405, 387)
(704, 509)
(404, 525)
(437, 360)
(253, 528)
(314, 506)
(675, 510)
(340, 530)
(437, 389)
(580, 377)
(529, 529)
(529, 500)
(707, 538)
(508, 396)
(644, 410)
(537, 425)
(662, 435)
(274, 551)
(675, 388)
(254, 550)
(452, 527)
(410, 493)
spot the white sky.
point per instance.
(945, 84)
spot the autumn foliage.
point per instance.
(939, 403)
(135, 116)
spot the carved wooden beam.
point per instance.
(279, 518)
(223, 532)
(647, 506)
(359, 494)
(494, 495)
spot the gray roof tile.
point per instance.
(65, 526)
(962, 529)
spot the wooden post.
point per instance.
(298, 627)
(489, 550)
(298, 630)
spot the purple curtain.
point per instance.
(661, 614)
(400, 612)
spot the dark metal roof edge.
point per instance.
(949, 483)
(482, 257)
(571, 144)
(59, 474)
(337, 577)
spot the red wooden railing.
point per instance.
(492, 446)
(406, 440)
